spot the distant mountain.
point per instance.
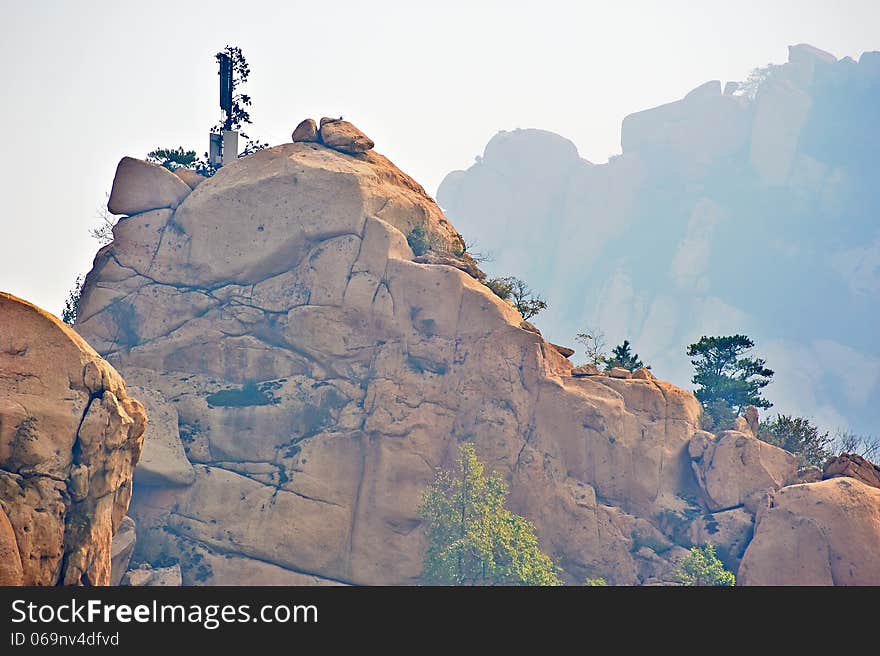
(754, 209)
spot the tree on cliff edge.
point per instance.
(727, 381)
(472, 538)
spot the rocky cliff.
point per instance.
(738, 208)
(313, 374)
(70, 436)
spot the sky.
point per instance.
(86, 83)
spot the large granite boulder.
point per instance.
(70, 436)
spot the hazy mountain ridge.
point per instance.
(751, 210)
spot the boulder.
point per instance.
(735, 465)
(306, 131)
(643, 374)
(564, 351)
(343, 136)
(70, 436)
(163, 459)
(148, 576)
(141, 186)
(190, 177)
(854, 466)
(121, 549)
(10, 560)
(586, 370)
(824, 533)
(619, 372)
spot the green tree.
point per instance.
(173, 158)
(472, 538)
(622, 356)
(71, 305)
(726, 377)
(798, 436)
(517, 293)
(701, 567)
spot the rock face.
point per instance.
(825, 533)
(70, 436)
(854, 466)
(735, 466)
(122, 549)
(320, 374)
(141, 186)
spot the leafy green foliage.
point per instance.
(798, 436)
(420, 240)
(622, 356)
(173, 158)
(702, 567)
(71, 305)
(599, 582)
(517, 293)
(717, 415)
(724, 373)
(472, 538)
(239, 115)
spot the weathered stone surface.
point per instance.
(730, 530)
(643, 374)
(306, 131)
(586, 370)
(10, 560)
(163, 459)
(320, 375)
(736, 465)
(141, 186)
(190, 177)
(153, 576)
(70, 436)
(121, 549)
(854, 466)
(463, 262)
(343, 136)
(564, 351)
(619, 372)
(825, 533)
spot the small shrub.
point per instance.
(517, 293)
(799, 436)
(71, 305)
(702, 567)
(599, 582)
(420, 241)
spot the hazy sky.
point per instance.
(85, 83)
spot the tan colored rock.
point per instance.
(306, 131)
(564, 351)
(121, 549)
(643, 374)
(10, 560)
(463, 263)
(190, 177)
(586, 370)
(736, 465)
(825, 533)
(731, 529)
(141, 186)
(343, 136)
(619, 372)
(146, 576)
(751, 416)
(163, 460)
(854, 466)
(70, 436)
(320, 375)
